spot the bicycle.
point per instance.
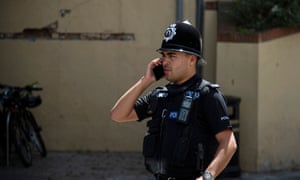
(19, 129)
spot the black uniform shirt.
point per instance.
(213, 106)
(207, 117)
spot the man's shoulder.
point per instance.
(205, 85)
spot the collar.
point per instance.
(175, 89)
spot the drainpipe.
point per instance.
(199, 26)
(179, 14)
(199, 15)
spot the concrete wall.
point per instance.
(210, 44)
(264, 75)
(82, 79)
(237, 75)
(278, 107)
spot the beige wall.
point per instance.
(83, 79)
(237, 75)
(264, 75)
(210, 44)
(279, 102)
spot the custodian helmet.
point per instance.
(183, 37)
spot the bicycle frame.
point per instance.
(20, 132)
(8, 113)
(7, 137)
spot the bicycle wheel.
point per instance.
(2, 140)
(34, 133)
(21, 143)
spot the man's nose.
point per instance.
(165, 61)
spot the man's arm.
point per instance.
(226, 148)
(123, 110)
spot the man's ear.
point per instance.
(193, 60)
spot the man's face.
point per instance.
(178, 66)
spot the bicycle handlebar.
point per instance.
(11, 95)
(31, 87)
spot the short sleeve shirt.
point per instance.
(212, 106)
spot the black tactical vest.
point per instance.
(175, 147)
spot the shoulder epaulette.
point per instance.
(158, 90)
(205, 83)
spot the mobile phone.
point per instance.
(158, 72)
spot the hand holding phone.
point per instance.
(158, 72)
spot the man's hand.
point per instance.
(123, 110)
(226, 148)
(149, 74)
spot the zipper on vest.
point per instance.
(162, 124)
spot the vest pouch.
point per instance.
(181, 150)
(150, 152)
(149, 145)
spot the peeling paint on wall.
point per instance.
(49, 32)
(41, 34)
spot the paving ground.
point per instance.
(101, 166)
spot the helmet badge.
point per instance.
(170, 32)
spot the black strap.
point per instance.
(194, 106)
(166, 177)
(187, 132)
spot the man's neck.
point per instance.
(185, 79)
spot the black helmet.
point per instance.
(183, 37)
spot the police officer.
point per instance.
(189, 135)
